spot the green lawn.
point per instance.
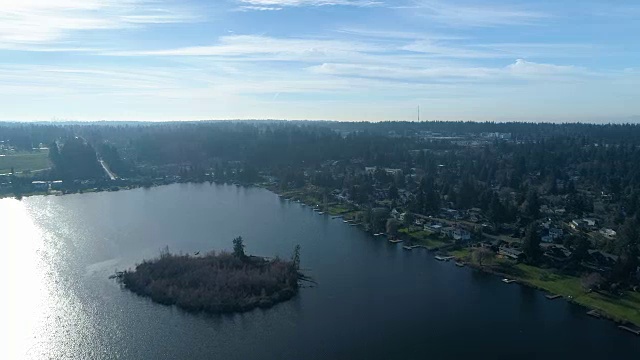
(626, 307)
(462, 254)
(22, 161)
(424, 237)
(338, 209)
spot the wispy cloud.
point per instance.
(270, 5)
(519, 70)
(470, 14)
(248, 45)
(25, 23)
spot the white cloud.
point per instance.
(25, 23)
(525, 68)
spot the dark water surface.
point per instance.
(374, 300)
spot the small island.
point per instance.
(215, 283)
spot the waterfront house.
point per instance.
(447, 231)
(601, 261)
(511, 253)
(461, 235)
(435, 227)
(557, 253)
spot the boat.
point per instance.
(459, 264)
(407, 247)
(508, 281)
(320, 213)
(443, 258)
(345, 221)
(378, 234)
(395, 241)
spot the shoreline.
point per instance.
(604, 314)
(550, 294)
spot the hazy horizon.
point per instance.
(336, 60)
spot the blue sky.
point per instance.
(320, 59)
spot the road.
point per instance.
(111, 175)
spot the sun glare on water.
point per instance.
(33, 307)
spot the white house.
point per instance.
(461, 235)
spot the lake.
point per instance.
(373, 300)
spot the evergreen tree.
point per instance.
(238, 248)
(531, 245)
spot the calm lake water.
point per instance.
(374, 300)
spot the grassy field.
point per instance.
(624, 308)
(424, 237)
(338, 209)
(23, 161)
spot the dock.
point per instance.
(630, 328)
(552, 296)
(594, 313)
(443, 258)
(508, 281)
(407, 247)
